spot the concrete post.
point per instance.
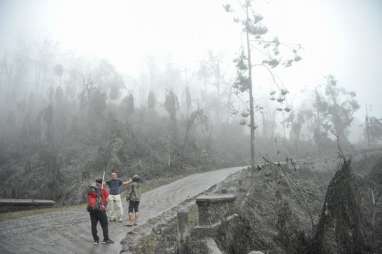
(213, 208)
(183, 230)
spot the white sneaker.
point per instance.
(109, 241)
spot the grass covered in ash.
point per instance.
(277, 205)
(285, 209)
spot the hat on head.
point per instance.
(92, 187)
(136, 178)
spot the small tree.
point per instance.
(210, 71)
(335, 108)
(373, 129)
(171, 105)
(197, 115)
(108, 80)
(129, 104)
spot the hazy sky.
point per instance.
(338, 36)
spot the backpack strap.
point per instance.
(98, 198)
(132, 190)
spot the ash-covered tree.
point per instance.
(251, 24)
(210, 71)
(171, 105)
(196, 116)
(109, 80)
(373, 129)
(188, 100)
(296, 121)
(129, 105)
(335, 107)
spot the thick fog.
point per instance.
(152, 86)
(338, 38)
(240, 126)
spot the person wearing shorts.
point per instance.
(133, 206)
(134, 196)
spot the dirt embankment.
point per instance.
(277, 206)
(287, 210)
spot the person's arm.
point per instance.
(125, 183)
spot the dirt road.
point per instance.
(68, 231)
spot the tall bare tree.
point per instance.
(254, 31)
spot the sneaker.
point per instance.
(107, 241)
(96, 242)
(120, 220)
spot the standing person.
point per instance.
(97, 203)
(134, 196)
(115, 209)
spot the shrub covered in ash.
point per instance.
(345, 225)
(276, 209)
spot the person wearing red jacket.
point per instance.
(97, 202)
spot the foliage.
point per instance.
(344, 225)
(335, 109)
(374, 129)
(64, 124)
(171, 104)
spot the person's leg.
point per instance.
(104, 224)
(136, 212)
(112, 209)
(120, 208)
(131, 211)
(94, 221)
(115, 208)
(109, 209)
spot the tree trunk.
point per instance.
(251, 101)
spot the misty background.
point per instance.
(338, 38)
(146, 87)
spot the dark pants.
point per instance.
(95, 216)
(133, 206)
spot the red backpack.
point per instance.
(97, 198)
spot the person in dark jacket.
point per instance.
(115, 208)
(97, 202)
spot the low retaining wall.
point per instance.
(9, 205)
(214, 210)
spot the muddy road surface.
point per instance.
(68, 231)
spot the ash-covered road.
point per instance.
(68, 231)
